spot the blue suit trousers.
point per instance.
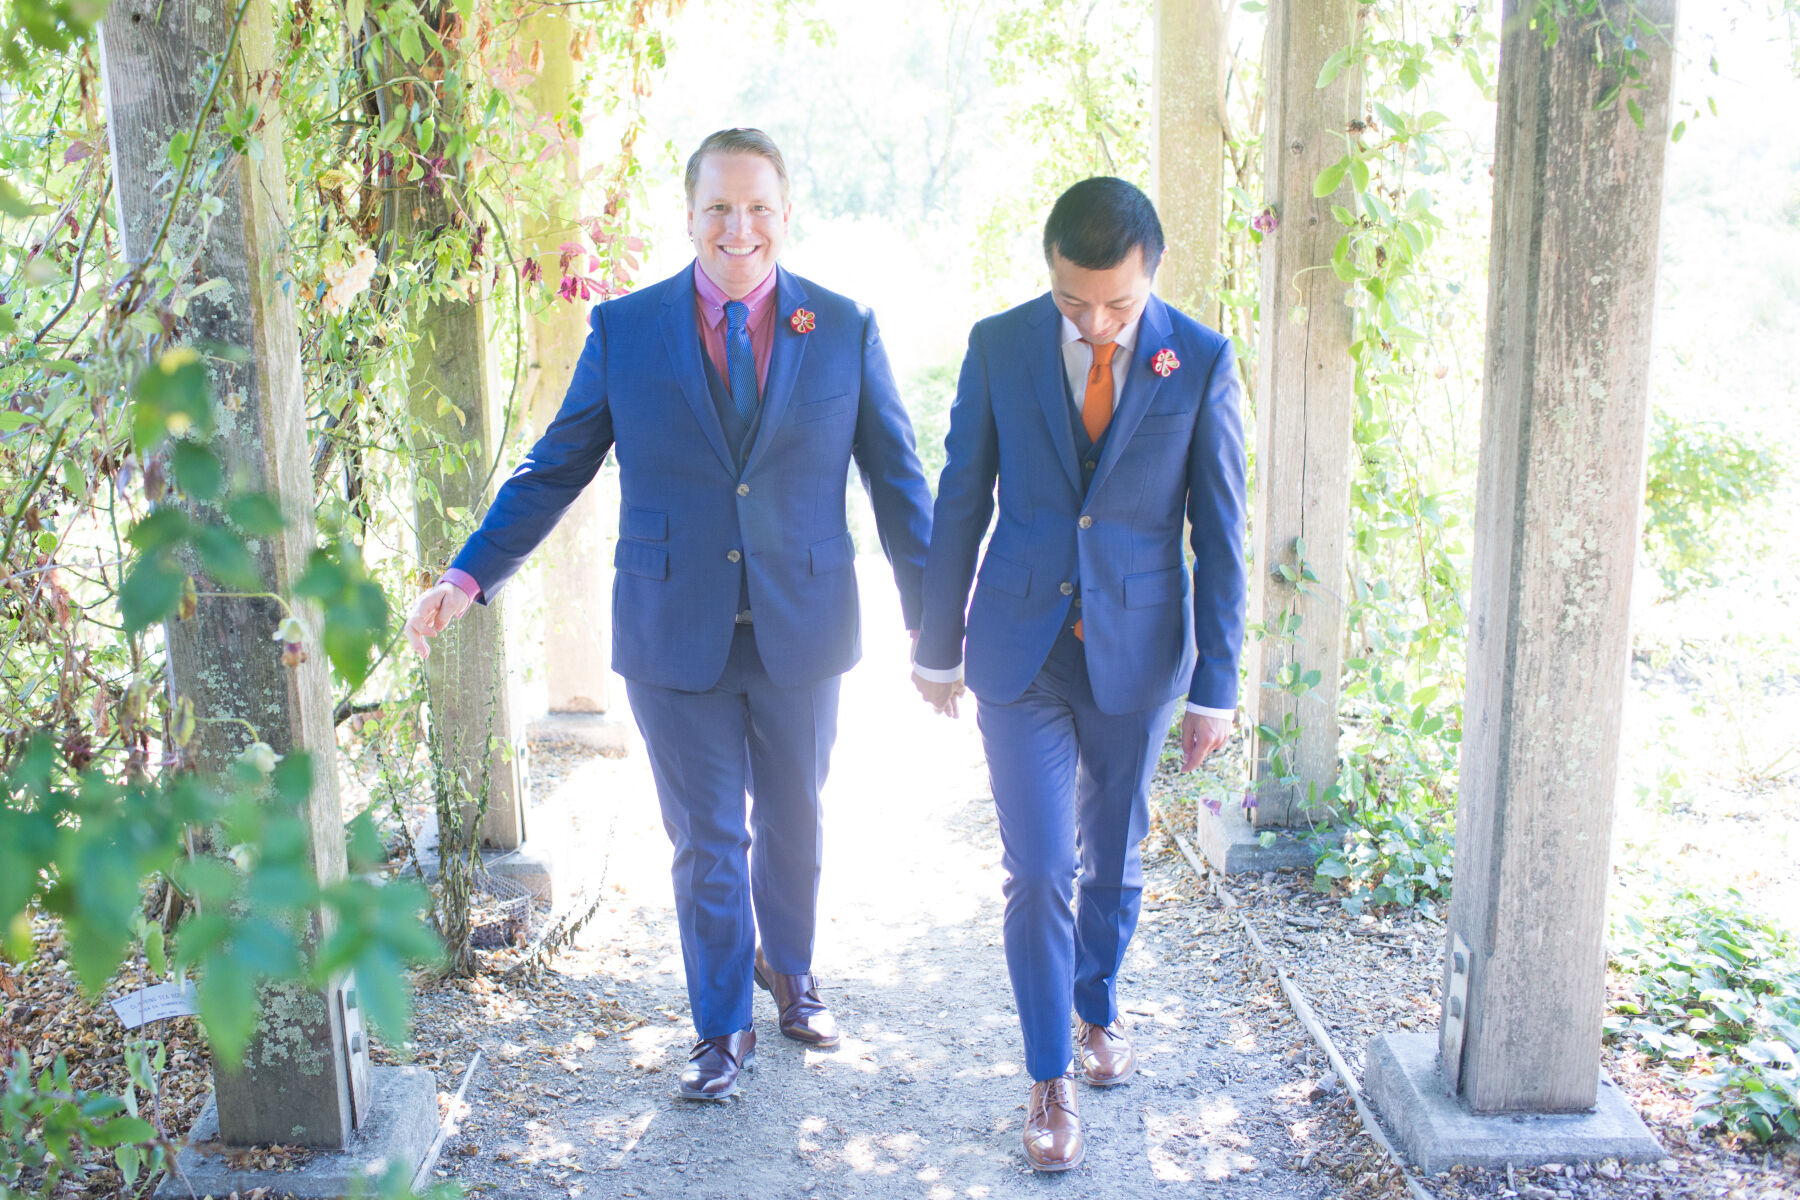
(1071, 789)
(734, 879)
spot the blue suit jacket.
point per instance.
(1174, 450)
(688, 513)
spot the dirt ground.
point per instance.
(925, 1097)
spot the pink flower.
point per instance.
(1164, 363)
(1265, 221)
(802, 321)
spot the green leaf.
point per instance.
(167, 526)
(197, 469)
(227, 559)
(1636, 111)
(353, 16)
(150, 592)
(1675, 135)
(1334, 66)
(120, 1130)
(228, 1006)
(256, 513)
(1329, 178)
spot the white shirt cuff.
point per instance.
(939, 674)
(1223, 714)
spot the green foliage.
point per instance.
(1715, 992)
(47, 1124)
(1703, 480)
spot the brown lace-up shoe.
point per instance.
(714, 1064)
(1106, 1055)
(804, 1016)
(1053, 1127)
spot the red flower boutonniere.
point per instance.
(1164, 363)
(802, 321)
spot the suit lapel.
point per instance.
(786, 350)
(1044, 361)
(1140, 388)
(681, 334)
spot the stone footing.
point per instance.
(1233, 846)
(590, 731)
(1406, 1084)
(394, 1139)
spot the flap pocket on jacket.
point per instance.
(1153, 588)
(833, 554)
(635, 558)
(814, 410)
(1004, 575)
(1164, 423)
(645, 524)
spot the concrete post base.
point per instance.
(1406, 1084)
(589, 731)
(396, 1133)
(1234, 846)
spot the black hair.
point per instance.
(1096, 223)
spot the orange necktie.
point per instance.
(1097, 403)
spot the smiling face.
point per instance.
(738, 220)
(1103, 302)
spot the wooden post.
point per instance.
(1305, 401)
(577, 583)
(1571, 292)
(451, 396)
(300, 1081)
(1188, 151)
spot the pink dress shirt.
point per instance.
(709, 308)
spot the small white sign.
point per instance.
(156, 1003)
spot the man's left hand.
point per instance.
(1200, 736)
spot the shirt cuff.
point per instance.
(1223, 714)
(939, 674)
(463, 580)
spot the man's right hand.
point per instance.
(941, 696)
(441, 604)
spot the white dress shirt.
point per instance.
(1078, 359)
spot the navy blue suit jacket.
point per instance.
(690, 520)
(1174, 452)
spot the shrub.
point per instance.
(1702, 478)
(1716, 994)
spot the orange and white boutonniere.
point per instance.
(802, 321)
(1164, 363)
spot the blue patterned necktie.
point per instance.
(740, 360)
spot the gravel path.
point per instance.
(925, 1096)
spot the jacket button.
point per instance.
(733, 556)
(1086, 522)
(1068, 589)
(743, 489)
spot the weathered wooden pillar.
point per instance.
(451, 397)
(1305, 402)
(577, 583)
(1188, 151)
(301, 1080)
(1571, 292)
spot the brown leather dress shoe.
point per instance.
(804, 1016)
(714, 1064)
(1052, 1126)
(1106, 1055)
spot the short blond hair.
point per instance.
(737, 141)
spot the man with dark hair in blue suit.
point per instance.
(736, 396)
(1108, 419)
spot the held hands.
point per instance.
(441, 604)
(941, 696)
(1200, 736)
